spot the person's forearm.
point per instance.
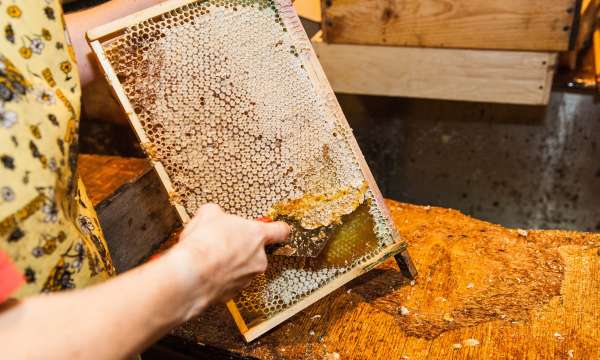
(108, 321)
(78, 23)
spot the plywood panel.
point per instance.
(481, 24)
(455, 74)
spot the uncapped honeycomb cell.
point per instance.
(224, 95)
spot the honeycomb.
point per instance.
(225, 95)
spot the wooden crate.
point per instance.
(516, 77)
(482, 24)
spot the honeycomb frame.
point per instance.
(102, 41)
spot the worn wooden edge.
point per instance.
(87, 166)
(575, 26)
(119, 92)
(547, 65)
(116, 26)
(551, 70)
(319, 80)
(237, 316)
(256, 331)
(109, 199)
(597, 57)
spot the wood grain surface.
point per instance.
(517, 77)
(106, 174)
(483, 291)
(480, 24)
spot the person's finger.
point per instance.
(204, 211)
(276, 232)
(208, 210)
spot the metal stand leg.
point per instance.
(407, 268)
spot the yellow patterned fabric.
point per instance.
(47, 223)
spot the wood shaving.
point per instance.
(448, 317)
(332, 356)
(471, 342)
(522, 232)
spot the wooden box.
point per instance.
(499, 76)
(541, 25)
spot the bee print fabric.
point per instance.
(48, 226)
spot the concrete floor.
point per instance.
(519, 166)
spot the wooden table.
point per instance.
(483, 291)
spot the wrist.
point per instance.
(191, 279)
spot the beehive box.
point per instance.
(232, 107)
(538, 25)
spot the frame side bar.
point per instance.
(260, 329)
(135, 18)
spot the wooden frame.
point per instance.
(596, 46)
(319, 80)
(516, 77)
(586, 25)
(540, 25)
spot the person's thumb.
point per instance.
(276, 232)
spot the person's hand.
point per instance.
(218, 254)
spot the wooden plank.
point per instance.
(468, 75)
(107, 174)
(132, 206)
(596, 55)
(108, 29)
(480, 24)
(550, 313)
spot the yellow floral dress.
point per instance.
(48, 227)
